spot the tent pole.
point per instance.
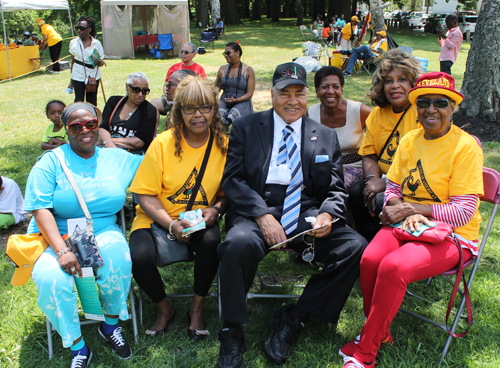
(5, 40)
(70, 22)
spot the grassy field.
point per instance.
(23, 340)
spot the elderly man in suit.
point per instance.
(281, 168)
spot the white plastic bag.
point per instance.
(311, 48)
(309, 63)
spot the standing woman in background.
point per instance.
(53, 40)
(82, 49)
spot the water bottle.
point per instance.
(68, 90)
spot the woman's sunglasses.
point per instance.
(190, 110)
(91, 124)
(227, 53)
(136, 90)
(308, 253)
(81, 28)
(439, 103)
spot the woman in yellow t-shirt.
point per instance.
(164, 183)
(437, 173)
(389, 121)
(53, 40)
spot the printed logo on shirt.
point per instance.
(390, 151)
(184, 193)
(414, 180)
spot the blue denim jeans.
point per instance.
(359, 53)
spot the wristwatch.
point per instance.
(219, 211)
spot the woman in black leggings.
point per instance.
(165, 184)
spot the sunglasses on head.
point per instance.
(136, 90)
(439, 103)
(190, 110)
(308, 253)
(81, 28)
(170, 84)
(91, 124)
(185, 52)
(227, 53)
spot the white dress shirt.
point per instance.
(82, 54)
(282, 174)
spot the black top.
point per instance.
(142, 123)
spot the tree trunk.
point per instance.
(230, 13)
(215, 10)
(256, 10)
(202, 13)
(276, 10)
(319, 8)
(481, 86)
(286, 9)
(377, 15)
(269, 9)
(354, 6)
(246, 9)
(300, 18)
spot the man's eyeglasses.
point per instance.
(185, 52)
(136, 90)
(227, 53)
(170, 84)
(439, 103)
(91, 124)
(308, 253)
(81, 28)
(190, 110)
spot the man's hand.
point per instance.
(271, 228)
(322, 219)
(210, 216)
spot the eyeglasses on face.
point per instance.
(81, 28)
(190, 110)
(170, 84)
(227, 53)
(76, 127)
(136, 90)
(439, 103)
(185, 52)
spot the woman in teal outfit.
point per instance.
(102, 176)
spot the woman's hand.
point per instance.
(372, 188)
(413, 222)
(210, 216)
(98, 62)
(69, 264)
(230, 100)
(391, 215)
(177, 230)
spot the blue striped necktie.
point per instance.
(291, 207)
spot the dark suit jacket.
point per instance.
(249, 156)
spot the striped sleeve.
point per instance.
(458, 212)
(392, 190)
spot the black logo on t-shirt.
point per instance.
(390, 150)
(413, 182)
(184, 193)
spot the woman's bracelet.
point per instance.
(62, 252)
(370, 176)
(170, 228)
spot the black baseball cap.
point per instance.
(289, 73)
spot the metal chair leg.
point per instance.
(49, 338)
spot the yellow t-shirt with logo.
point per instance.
(347, 31)
(52, 36)
(431, 171)
(379, 126)
(171, 178)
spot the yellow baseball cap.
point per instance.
(355, 18)
(23, 251)
(40, 22)
(382, 33)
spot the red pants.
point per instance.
(387, 267)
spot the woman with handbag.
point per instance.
(101, 176)
(130, 120)
(391, 119)
(436, 177)
(237, 81)
(87, 56)
(171, 181)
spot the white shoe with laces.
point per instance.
(81, 361)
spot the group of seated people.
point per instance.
(276, 170)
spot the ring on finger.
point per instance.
(73, 270)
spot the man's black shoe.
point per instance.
(232, 347)
(284, 332)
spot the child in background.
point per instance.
(55, 134)
(11, 203)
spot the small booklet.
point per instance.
(415, 233)
(283, 243)
(95, 54)
(89, 297)
(195, 218)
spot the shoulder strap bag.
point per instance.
(395, 128)
(170, 251)
(82, 243)
(90, 82)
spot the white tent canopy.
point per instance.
(117, 24)
(13, 5)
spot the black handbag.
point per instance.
(171, 251)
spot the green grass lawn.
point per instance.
(23, 340)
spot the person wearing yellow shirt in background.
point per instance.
(367, 52)
(53, 40)
(348, 33)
